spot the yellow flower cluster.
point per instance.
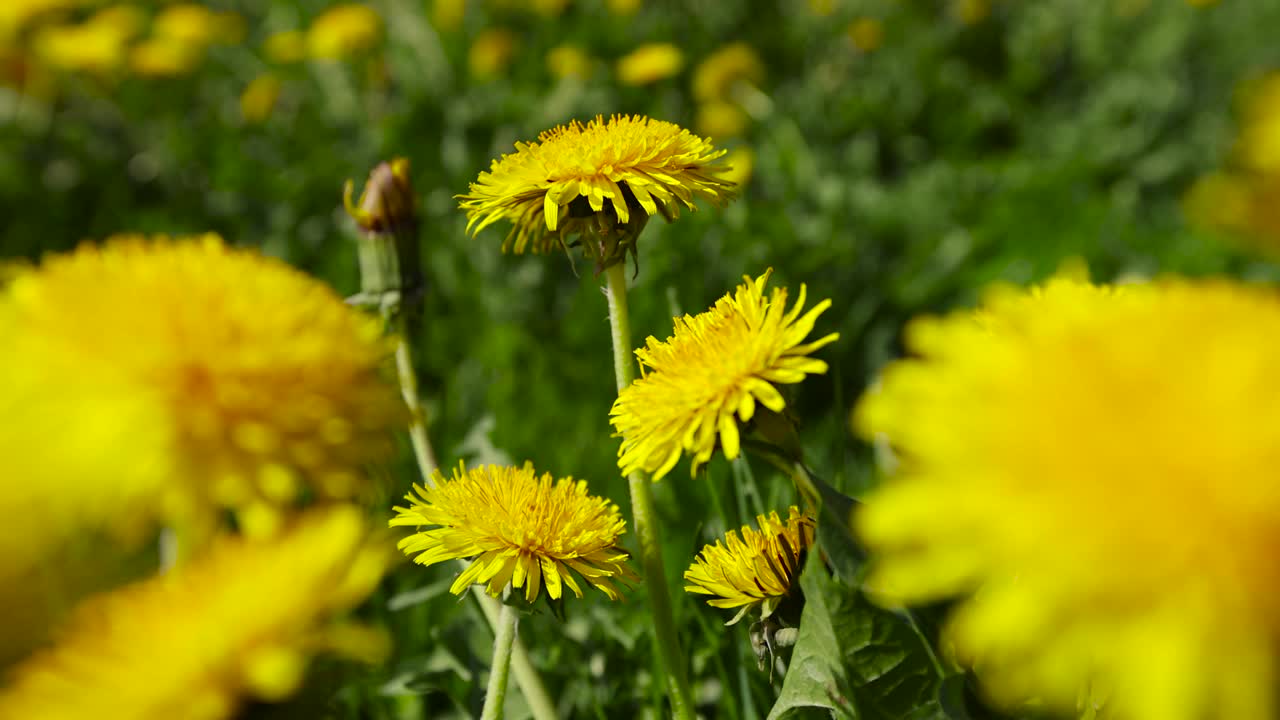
(523, 531)
(1244, 198)
(558, 186)
(757, 569)
(242, 622)
(151, 381)
(1091, 469)
(700, 382)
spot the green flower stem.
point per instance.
(644, 519)
(503, 637)
(379, 264)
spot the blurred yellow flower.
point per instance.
(970, 12)
(286, 46)
(650, 63)
(1258, 147)
(194, 24)
(567, 60)
(721, 120)
(716, 76)
(269, 385)
(523, 530)
(557, 187)
(623, 7)
(259, 98)
(757, 570)
(740, 163)
(491, 52)
(15, 15)
(238, 623)
(448, 14)
(344, 31)
(697, 384)
(162, 57)
(866, 34)
(1092, 471)
(97, 45)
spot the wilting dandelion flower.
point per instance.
(600, 178)
(238, 623)
(1092, 470)
(523, 530)
(265, 383)
(757, 569)
(700, 382)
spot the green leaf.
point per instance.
(855, 660)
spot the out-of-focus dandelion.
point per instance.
(197, 25)
(564, 61)
(558, 187)
(699, 383)
(196, 642)
(741, 164)
(1091, 471)
(161, 58)
(866, 34)
(344, 31)
(285, 47)
(491, 51)
(267, 384)
(523, 531)
(721, 120)
(448, 15)
(97, 45)
(259, 98)
(757, 570)
(650, 63)
(970, 12)
(718, 74)
(623, 7)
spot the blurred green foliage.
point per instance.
(895, 181)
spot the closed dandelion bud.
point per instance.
(387, 217)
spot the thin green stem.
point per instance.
(417, 414)
(644, 519)
(527, 677)
(503, 637)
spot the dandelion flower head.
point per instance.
(266, 384)
(650, 63)
(523, 530)
(757, 569)
(344, 31)
(1092, 471)
(577, 176)
(700, 382)
(195, 642)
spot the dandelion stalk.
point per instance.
(503, 638)
(644, 519)
(390, 279)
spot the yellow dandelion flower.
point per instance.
(734, 63)
(195, 642)
(92, 46)
(721, 120)
(1258, 147)
(164, 58)
(194, 24)
(490, 53)
(741, 164)
(698, 383)
(343, 31)
(569, 61)
(650, 63)
(523, 530)
(623, 7)
(259, 98)
(268, 383)
(285, 47)
(557, 187)
(448, 15)
(866, 34)
(1092, 470)
(756, 570)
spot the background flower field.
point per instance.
(897, 156)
